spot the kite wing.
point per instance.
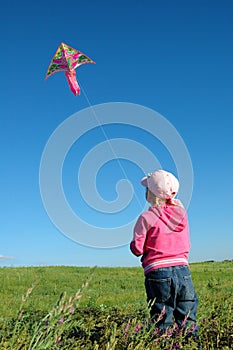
(68, 59)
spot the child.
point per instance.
(161, 236)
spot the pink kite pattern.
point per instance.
(68, 59)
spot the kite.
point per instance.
(68, 59)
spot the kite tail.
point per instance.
(73, 84)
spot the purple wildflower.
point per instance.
(192, 328)
(185, 321)
(71, 310)
(169, 332)
(156, 331)
(61, 320)
(161, 315)
(126, 330)
(137, 328)
(127, 327)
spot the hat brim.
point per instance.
(144, 181)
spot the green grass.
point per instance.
(60, 311)
(109, 286)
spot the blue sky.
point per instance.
(172, 57)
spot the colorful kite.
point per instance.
(68, 59)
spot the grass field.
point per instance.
(105, 308)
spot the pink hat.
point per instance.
(162, 184)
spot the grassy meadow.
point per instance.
(105, 308)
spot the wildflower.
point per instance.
(156, 331)
(176, 330)
(137, 328)
(162, 313)
(127, 326)
(71, 310)
(192, 328)
(61, 320)
(184, 323)
(126, 333)
(169, 332)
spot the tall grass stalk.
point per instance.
(48, 332)
(19, 318)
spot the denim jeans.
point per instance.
(171, 296)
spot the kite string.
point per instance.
(108, 141)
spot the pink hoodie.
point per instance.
(161, 235)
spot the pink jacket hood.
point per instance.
(171, 216)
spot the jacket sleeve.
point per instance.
(140, 230)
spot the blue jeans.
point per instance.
(171, 296)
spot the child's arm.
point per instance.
(140, 231)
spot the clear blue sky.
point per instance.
(173, 57)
